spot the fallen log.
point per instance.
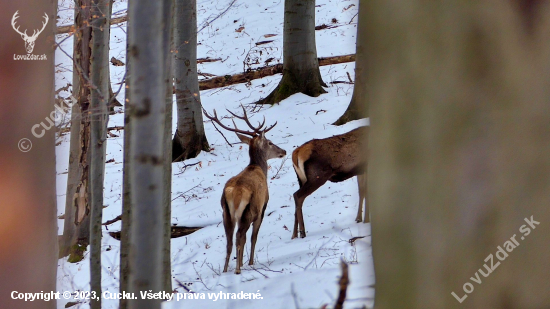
(227, 80)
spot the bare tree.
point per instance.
(99, 97)
(28, 259)
(459, 139)
(147, 87)
(76, 230)
(167, 159)
(189, 138)
(300, 64)
(359, 106)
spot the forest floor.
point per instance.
(299, 273)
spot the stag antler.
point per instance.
(256, 130)
(34, 35)
(15, 16)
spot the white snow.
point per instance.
(300, 273)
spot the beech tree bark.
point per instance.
(76, 229)
(189, 138)
(459, 139)
(359, 106)
(99, 97)
(28, 258)
(300, 65)
(147, 87)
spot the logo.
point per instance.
(29, 40)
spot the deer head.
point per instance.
(29, 40)
(261, 148)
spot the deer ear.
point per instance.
(244, 139)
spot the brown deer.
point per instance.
(244, 198)
(334, 159)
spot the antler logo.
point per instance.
(29, 40)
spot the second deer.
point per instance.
(244, 198)
(334, 159)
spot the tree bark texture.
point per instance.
(147, 114)
(300, 65)
(459, 147)
(99, 76)
(189, 139)
(359, 106)
(76, 230)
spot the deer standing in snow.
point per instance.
(334, 159)
(244, 198)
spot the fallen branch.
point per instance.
(71, 28)
(344, 281)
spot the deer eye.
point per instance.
(270, 144)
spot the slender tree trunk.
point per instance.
(147, 113)
(124, 283)
(300, 65)
(189, 138)
(112, 98)
(359, 106)
(459, 177)
(28, 223)
(99, 76)
(77, 210)
(167, 159)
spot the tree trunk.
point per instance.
(147, 112)
(76, 228)
(99, 76)
(459, 147)
(126, 224)
(189, 138)
(359, 106)
(167, 159)
(28, 223)
(112, 98)
(300, 65)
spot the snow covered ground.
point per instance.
(301, 273)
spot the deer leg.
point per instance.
(241, 240)
(309, 187)
(229, 226)
(255, 229)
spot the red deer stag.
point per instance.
(334, 159)
(244, 198)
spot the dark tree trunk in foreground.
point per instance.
(28, 223)
(99, 76)
(76, 230)
(147, 71)
(359, 106)
(189, 138)
(300, 65)
(459, 146)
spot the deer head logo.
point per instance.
(29, 40)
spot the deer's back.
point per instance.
(251, 183)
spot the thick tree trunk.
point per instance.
(167, 159)
(99, 76)
(76, 228)
(189, 138)
(359, 106)
(300, 65)
(147, 113)
(28, 223)
(459, 147)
